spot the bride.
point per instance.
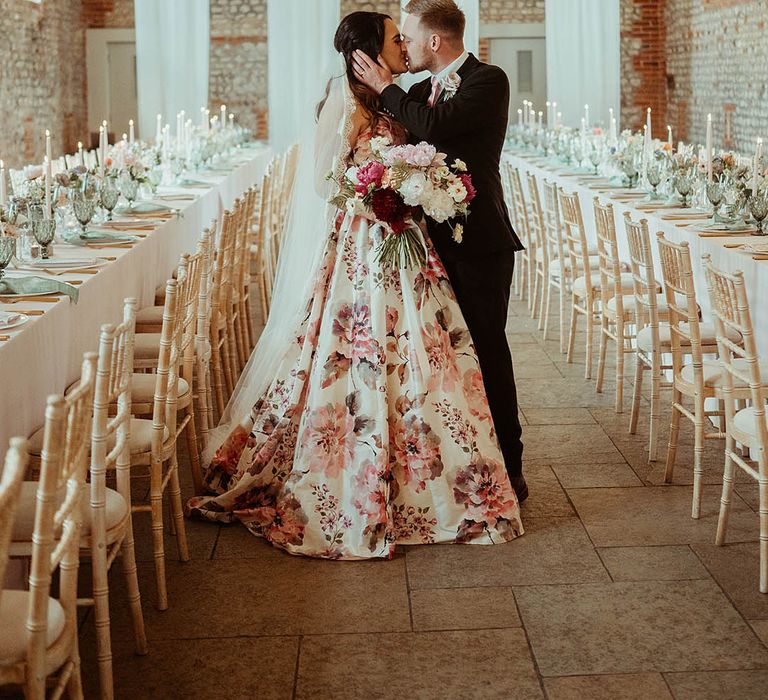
(362, 423)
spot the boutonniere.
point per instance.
(451, 85)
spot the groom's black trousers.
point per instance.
(482, 287)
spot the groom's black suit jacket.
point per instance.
(471, 126)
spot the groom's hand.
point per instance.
(370, 73)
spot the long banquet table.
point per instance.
(726, 258)
(44, 355)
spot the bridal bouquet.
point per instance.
(400, 184)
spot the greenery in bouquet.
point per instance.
(400, 184)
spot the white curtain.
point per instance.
(301, 59)
(583, 60)
(172, 41)
(471, 10)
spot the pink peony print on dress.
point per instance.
(328, 440)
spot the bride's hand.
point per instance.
(374, 75)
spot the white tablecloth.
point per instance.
(730, 260)
(44, 356)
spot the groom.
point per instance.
(462, 111)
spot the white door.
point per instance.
(123, 101)
(524, 60)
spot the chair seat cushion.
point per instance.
(146, 346)
(554, 265)
(629, 303)
(715, 375)
(14, 637)
(143, 388)
(150, 315)
(580, 284)
(707, 331)
(745, 422)
(141, 437)
(115, 510)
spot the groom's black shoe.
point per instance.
(521, 488)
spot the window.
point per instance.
(524, 71)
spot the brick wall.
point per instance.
(42, 81)
(238, 61)
(512, 11)
(108, 14)
(643, 64)
(717, 60)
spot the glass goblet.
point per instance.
(108, 196)
(44, 230)
(758, 207)
(715, 195)
(595, 157)
(84, 207)
(7, 251)
(684, 186)
(129, 188)
(653, 173)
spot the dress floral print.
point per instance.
(376, 429)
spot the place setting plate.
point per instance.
(718, 230)
(12, 319)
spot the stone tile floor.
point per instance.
(614, 592)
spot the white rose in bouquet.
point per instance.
(414, 189)
(439, 206)
(351, 175)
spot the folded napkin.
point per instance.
(98, 237)
(36, 285)
(144, 208)
(728, 226)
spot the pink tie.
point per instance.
(435, 91)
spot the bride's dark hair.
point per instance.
(363, 31)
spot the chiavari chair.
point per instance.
(586, 287)
(744, 375)
(41, 631)
(697, 380)
(158, 438)
(617, 317)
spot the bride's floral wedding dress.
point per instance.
(376, 429)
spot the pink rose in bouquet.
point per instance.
(369, 174)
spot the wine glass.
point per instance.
(129, 188)
(758, 207)
(108, 196)
(7, 251)
(715, 195)
(44, 230)
(84, 207)
(595, 157)
(630, 170)
(653, 173)
(684, 186)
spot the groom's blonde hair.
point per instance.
(443, 17)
